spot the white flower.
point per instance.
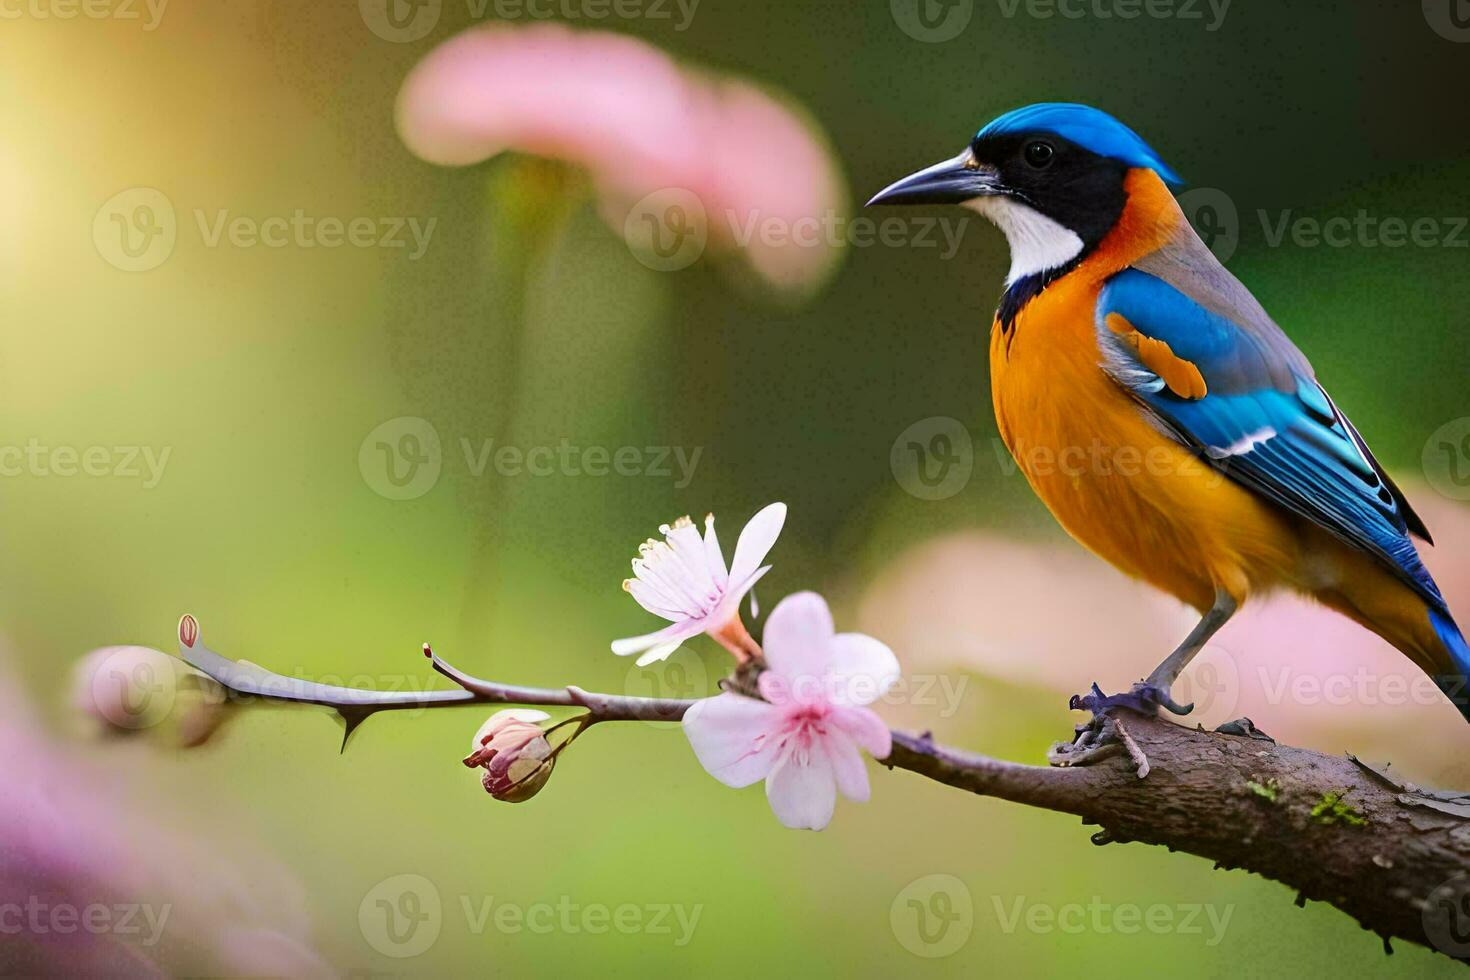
(683, 579)
(803, 739)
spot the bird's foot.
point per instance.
(1144, 698)
(1107, 735)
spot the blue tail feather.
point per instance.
(1454, 680)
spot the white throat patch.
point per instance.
(1037, 242)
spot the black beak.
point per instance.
(950, 182)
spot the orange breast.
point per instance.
(1115, 482)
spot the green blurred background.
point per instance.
(263, 370)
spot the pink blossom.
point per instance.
(803, 738)
(639, 124)
(684, 579)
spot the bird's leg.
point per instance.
(1098, 738)
(1166, 673)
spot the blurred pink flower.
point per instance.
(130, 690)
(640, 125)
(683, 579)
(1053, 616)
(99, 885)
(803, 739)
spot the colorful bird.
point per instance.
(1158, 411)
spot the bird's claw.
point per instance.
(1106, 735)
(1089, 747)
(1144, 698)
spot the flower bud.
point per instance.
(513, 750)
(128, 690)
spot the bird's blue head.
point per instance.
(1051, 175)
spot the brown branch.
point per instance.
(1395, 858)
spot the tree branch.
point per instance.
(1394, 857)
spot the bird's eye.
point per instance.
(1039, 153)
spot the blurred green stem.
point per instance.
(530, 201)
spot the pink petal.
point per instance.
(865, 728)
(673, 633)
(689, 551)
(661, 652)
(654, 601)
(797, 639)
(863, 668)
(773, 687)
(730, 602)
(713, 556)
(756, 539)
(802, 789)
(847, 766)
(772, 164)
(734, 737)
(612, 103)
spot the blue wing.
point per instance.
(1254, 410)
